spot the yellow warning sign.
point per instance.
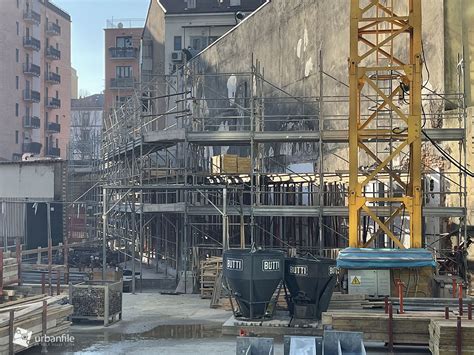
(355, 280)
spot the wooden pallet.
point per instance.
(209, 270)
(443, 337)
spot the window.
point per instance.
(57, 94)
(16, 137)
(17, 55)
(120, 100)
(17, 28)
(123, 42)
(57, 143)
(17, 110)
(234, 2)
(191, 4)
(57, 70)
(198, 42)
(85, 135)
(123, 72)
(17, 82)
(57, 118)
(178, 43)
(47, 117)
(18, 4)
(85, 118)
(212, 39)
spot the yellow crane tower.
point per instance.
(385, 123)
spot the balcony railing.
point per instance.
(53, 29)
(54, 152)
(53, 53)
(31, 122)
(31, 95)
(31, 43)
(31, 69)
(32, 17)
(52, 102)
(123, 52)
(53, 78)
(33, 147)
(122, 83)
(53, 127)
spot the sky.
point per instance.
(89, 18)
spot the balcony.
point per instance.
(53, 53)
(31, 122)
(31, 43)
(31, 69)
(54, 152)
(32, 17)
(53, 127)
(53, 78)
(52, 102)
(33, 147)
(122, 83)
(53, 29)
(123, 52)
(31, 95)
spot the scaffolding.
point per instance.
(83, 171)
(167, 203)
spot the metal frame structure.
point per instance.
(385, 73)
(164, 203)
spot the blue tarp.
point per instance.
(365, 258)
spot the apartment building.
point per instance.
(86, 128)
(35, 85)
(122, 49)
(177, 30)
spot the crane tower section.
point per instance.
(385, 123)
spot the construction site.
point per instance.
(303, 185)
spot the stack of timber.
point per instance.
(443, 337)
(10, 271)
(408, 328)
(209, 271)
(243, 165)
(345, 301)
(225, 164)
(39, 314)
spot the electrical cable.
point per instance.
(453, 161)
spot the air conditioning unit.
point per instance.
(177, 56)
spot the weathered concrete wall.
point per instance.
(459, 34)
(287, 36)
(154, 31)
(30, 180)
